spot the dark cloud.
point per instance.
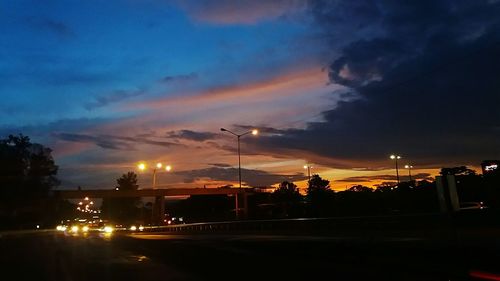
(261, 129)
(427, 88)
(114, 97)
(251, 177)
(192, 135)
(220, 165)
(56, 27)
(419, 176)
(101, 141)
(112, 142)
(180, 78)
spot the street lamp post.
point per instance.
(396, 157)
(143, 167)
(238, 136)
(308, 167)
(159, 204)
(409, 167)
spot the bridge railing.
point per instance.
(349, 226)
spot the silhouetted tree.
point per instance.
(319, 196)
(27, 174)
(26, 169)
(288, 197)
(360, 188)
(286, 192)
(123, 209)
(127, 181)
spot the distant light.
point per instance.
(133, 228)
(86, 198)
(168, 168)
(74, 229)
(141, 166)
(255, 132)
(37, 226)
(85, 229)
(158, 165)
(116, 188)
(61, 227)
(169, 222)
(108, 229)
(80, 203)
(141, 228)
(305, 166)
(491, 167)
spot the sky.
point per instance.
(338, 85)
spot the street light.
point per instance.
(308, 167)
(142, 167)
(409, 167)
(396, 157)
(238, 136)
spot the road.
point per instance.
(156, 256)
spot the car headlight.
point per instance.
(85, 229)
(108, 229)
(133, 228)
(74, 228)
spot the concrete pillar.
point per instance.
(245, 205)
(236, 206)
(447, 193)
(158, 210)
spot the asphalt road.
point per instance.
(156, 256)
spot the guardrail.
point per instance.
(337, 226)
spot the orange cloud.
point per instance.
(240, 12)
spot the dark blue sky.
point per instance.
(340, 84)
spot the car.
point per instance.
(472, 206)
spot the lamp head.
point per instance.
(222, 129)
(255, 132)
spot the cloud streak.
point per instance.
(112, 142)
(240, 12)
(114, 97)
(356, 179)
(192, 135)
(251, 177)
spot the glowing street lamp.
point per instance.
(308, 167)
(238, 136)
(396, 157)
(142, 167)
(409, 167)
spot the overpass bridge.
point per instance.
(159, 195)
